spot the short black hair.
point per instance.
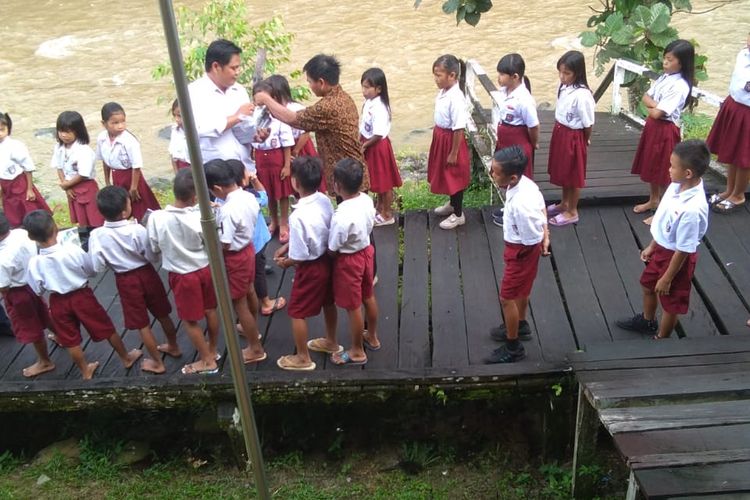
(183, 186)
(694, 155)
(218, 173)
(323, 66)
(220, 51)
(308, 172)
(111, 202)
(238, 170)
(4, 224)
(5, 118)
(348, 174)
(40, 225)
(71, 121)
(111, 108)
(512, 160)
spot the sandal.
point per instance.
(345, 359)
(560, 220)
(285, 363)
(714, 199)
(552, 210)
(278, 304)
(318, 345)
(192, 370)
(367, 344)
(726, 207)
(381, 221)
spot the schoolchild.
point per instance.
(678, 226)
(74, 161)
(729, 138)
(526, 238)
(303, 144)
(664, 100)
(571, 136)
(64, 273)
(17, 189)
(353, 265)
(178, 150)
(448, 169)
(122, 245)
(374, 127)
(120, 153)
(28, 311)
(307, 252)
(176, 234)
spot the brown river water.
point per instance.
(76, 54)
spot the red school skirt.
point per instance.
(444, 178)
(15, 204)
(651, 162)
(28, 314)
(382, 166)
(269, 164)
(124, 178)
(83, 209)
(729, 138)
(567, 157)
(182, 164)
(517, 135)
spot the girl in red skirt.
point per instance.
(665, 100)
(448, 169)
(178, 151)
(120, 153)
(568, 148)
(374, 126)
(729, 138)
(17, 189)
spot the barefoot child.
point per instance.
(28, 312)
(175, 232)
(123, 246)
(678, 226)
(64, 272)
(178, 151)
(307, 251)
(353, 267)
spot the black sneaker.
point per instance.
(497, 217)
(639, 324)
(500, 333)
(504, 355)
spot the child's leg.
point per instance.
(668, 322)
(254, 350)
(512, 317)
(571, 195)
(654, 196)
(253, 303)
(272, 211)
(284, 212)
(522, 306)
(741, 178)
(299, 332)
(731, 182)
(457, 202)
(171, 348)
(154, 364)
(195, 334)
(212, 327)
(43, 363)
(356, 326)
(330, 315)
(386, 204)
(127, 358)
(87, 369)
(371, 313)
(649, 303)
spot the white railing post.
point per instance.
(617, 81)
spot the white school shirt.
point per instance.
(280, 136)
(681, 219)
(78, 159)
(670, 93)
(352, 224)
(14, 159)
(237, 218)
(575, 107)
(211, 108)
(524, 217)
(176, 234)
(15, 252)
(178, 149)
(295, 106)
(122, 153)
(59, 269)
(122, 245)
(517, 108)
(375, 119)
(450, 109)
(740, 78)
(309, 226)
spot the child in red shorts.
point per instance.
(307, 251)
(64, 272)
(123, 245)
(526, 237)
(353, 267)
(677, 228)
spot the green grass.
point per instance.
(416, 195)
(696, 125)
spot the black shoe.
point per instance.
(504, 355)
(497, 217)
(268, 269)
(639, 324)
(500, 333)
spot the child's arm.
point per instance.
(174, 165)
(648, 251)
(453, 155)
(300, 144)
(545, 238)
(30, 196)
(68, 184)
(675, 264)
(369, 142)
(134, 196)
(107, 172)
(286, 170)
(534, 136)
(587, 134)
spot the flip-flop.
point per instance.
(345, 359)
(316, 345)
(553, 210)
(284, 364)
(636, 210)
(189, 370)
(368, 345)
(381, 221)
(560, 220)
(278, 304)
(257, 360)
(726, 207)
(714, 199)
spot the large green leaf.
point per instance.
(664, 38)
(484, 5)
(450, 6)
(660, 17)
(470, 6)
(472, 18)
(613, 23)
(641, 17)
(589, 38)
(623, 36)
(683, 5)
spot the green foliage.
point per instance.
(469, 11)
(8, 462)
(558, 481)
(696, 125)
(416, 457)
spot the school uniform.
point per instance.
(123, 154)
(237, 218)
(568, 149)
(64, 272)
(176, 234)
(178, 149)
(27, 311)
(308, 243)
(659, 137)
(309, 148)
(123, 246)
(381, 163)
(729, 138)
(515, 116)
(523, 231)
(450, 115)
(15, 161)
(269, 160)
(679, 224)
(79, 159)
(349, 235)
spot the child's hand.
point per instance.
(71, 194)
(646, 253)
(30, 196)
(452, 158)
(262, 134)
(285, 172)
(662, 286)
(545, 246)
(134, 194)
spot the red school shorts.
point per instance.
(240, 266)
(141, 291)
(521, 265)
(71, 310)
(28, 314)
(312, 288)
(352, 277)
(193, 293)
(678, 299)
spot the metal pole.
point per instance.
(215, 257)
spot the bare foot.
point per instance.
(200, 368)
(648, 220)
(370, 341)
(132, 358)
(644, 207)
(151, 366)
(38, 368)
(88, 374)
(250, 356)
(170, 350)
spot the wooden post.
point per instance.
(587, 425)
